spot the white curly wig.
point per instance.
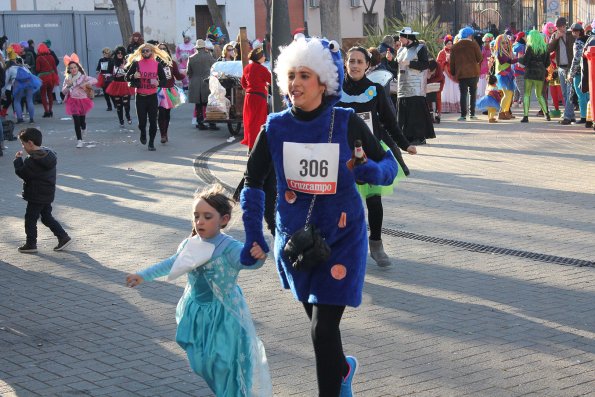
(312, 54)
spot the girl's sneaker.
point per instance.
(79, 144)
(347, 380)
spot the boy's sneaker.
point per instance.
(79, 144)
(63, 243)
(28, 248)
(347, 380)
(462, 119)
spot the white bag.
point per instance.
(195, 253)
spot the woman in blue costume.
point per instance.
(308, 145)
(215, 327)
(370, 102)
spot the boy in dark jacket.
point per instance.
(38, 172)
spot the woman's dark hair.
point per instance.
(366, 53)
(256, 54)
(119, 50)
(216, 198)
(492, 79)
(31, 134)
(81, 70)
(238, 52)
(375, 56)
(166, 47)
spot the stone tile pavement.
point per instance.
(442, 321)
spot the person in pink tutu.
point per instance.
(78, 91)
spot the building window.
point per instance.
(314, 3)
(356, 3)
(370, 23)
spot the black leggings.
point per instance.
(107, 99)
(163, 120)
(375, 215)
(79, 124)
(331, 365)
(122, 103)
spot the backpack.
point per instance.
(23, 75)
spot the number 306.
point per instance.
(314, 168)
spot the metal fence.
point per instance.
(85, 33)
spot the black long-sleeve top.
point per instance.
(260, 159)
(134, 82)
(384, 117)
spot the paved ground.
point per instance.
(445, 320)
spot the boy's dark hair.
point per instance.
(31, 134)
(492, 79)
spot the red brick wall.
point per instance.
(296, 17)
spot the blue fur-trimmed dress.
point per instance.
(326, 284)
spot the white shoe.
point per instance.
(193, 120)
(231, 139)
(79, 144)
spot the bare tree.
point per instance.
(268, 5)
(216, 17)
(141, 12)
(123, 15)
(330, 22)
(280, 35)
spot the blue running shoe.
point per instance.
(346, 383)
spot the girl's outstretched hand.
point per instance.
(132, 280)
(257, 252)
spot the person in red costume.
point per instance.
(45, 65)
(255, 80)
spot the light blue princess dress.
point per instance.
(215, 327)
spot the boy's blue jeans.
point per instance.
(28, 94)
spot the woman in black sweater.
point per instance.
(370, 102)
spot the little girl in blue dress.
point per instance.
(215, 327)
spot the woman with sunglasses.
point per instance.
(104, 74)
(228, 53)
(169, 97)
(119, 89)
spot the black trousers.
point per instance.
(146, 106)
(80, 123)
(468, 86)
(34, 210)
(331, 365)
(375, 216)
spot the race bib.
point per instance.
(104, 65)
(167, 71)
(311, 167)
(367, 117)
